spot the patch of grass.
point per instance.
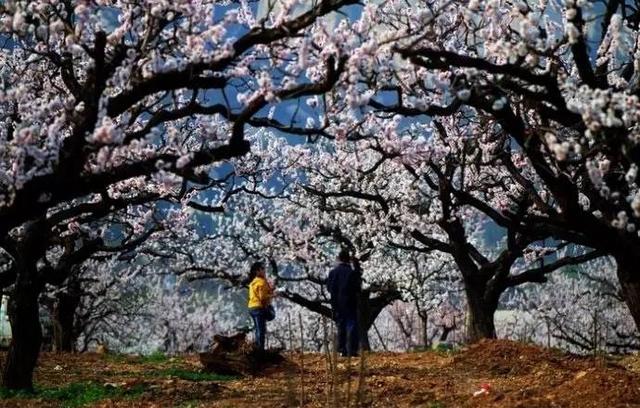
(117, 358)
(190, 404)
(155, 357)
(77, 394)
(438, 349)
(17, 394)
(123, 359)
(444, 349)
(190, 375)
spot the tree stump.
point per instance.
(234, 355)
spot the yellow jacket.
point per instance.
(259, 293)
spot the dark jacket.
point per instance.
(343, 284)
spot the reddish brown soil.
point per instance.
(518, 375)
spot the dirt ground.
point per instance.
(516, 375)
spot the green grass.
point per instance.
(117, 358)
(440, 350)
(190, 404)
(155, 357)
(77, 394)
(18, 394)
(190, 375)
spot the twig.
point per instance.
(384, 345)
(290, 332)
(334, 377)
(361, 381)
(348, 396)
(327, 360)
(301, 360)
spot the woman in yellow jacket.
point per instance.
(260, 295)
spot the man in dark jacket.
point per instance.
(344, 286)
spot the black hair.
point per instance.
(255, 267)
(344, 256)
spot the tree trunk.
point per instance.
(64, 333)
(364, 320)
(369, 309)
(445, 333)
(26, 339)
(424, 326)
(629, 278)
(24, 312)
(480, 313)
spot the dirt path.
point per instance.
(518, 376)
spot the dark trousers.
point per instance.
(348, 339)
(260, 326)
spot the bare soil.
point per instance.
(515, 374)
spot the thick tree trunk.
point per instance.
(480, 314)
(364, 320)
(629, 278)
(26, 339)
(24, 313)
(445, 333)
(64, 333)
(368, 311)
(424, 326)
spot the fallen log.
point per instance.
(234, 355)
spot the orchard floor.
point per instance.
(518, 375)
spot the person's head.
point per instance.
(343, 256)
(257, 269)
